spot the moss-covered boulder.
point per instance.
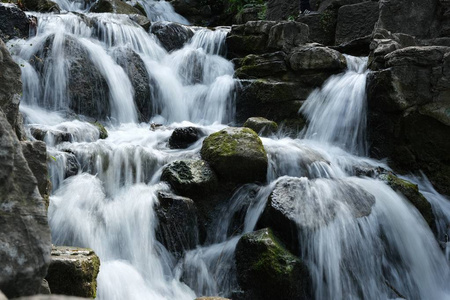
(236, 154)
(261, 125)
(114, 6)
(266, 270)
(41, 5)
(73, 271)
(102, 132)
(190, 177)
(411, 192)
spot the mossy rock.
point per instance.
(266, 270)
(73, 271)
(190, 177)
(411, 192)
(236, 154)
(102, 130)
(261, 125)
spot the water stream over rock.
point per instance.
(358, 238)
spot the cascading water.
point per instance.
(105, 191)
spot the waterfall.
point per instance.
(76, 71)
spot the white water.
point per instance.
(108, 204)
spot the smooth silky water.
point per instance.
(108, 204)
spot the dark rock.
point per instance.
(411, 192)
(287, 35)
(134, 66)
(172, 36)
(183, 137)
(10, 86)
(312, 57)
(50, 297)
(141, 20)
(322, 27)
(262, 66)
(356, 21)
(36, 155)
(41, 6)
(57, 136)
(250, 13)
(261, 125)
(72, 165)
(236, 154)
(23, 220)
(294, 206)
(114, 6)
(14, 23)
(282, 9)
(177, 228)
(45, 289)
(190, 177)
(73, 271)
(266, 270)
(205, 13)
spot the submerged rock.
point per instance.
(183, 137)
(73, 271)
(236, 154)
(261, 125)
(299, 204)
(266, 270)
(190, 177)
(172, 36)
(177, 228)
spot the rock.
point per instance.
(190, 177)
(36, 155)
(312, 57)
(411, 192)
(281, 9)
(73, 271)
(115, 7)
(72, 166)
(14, 23)
(267, 65)
(177, 228)
(205, 13)
(211, 298)
(103, 133)
(266, 270)
(356, 21)
(10, 86)
(287, 35)
(236, 154)
(261, 125)
(141, 20)
(172, 36)
(251, 12)
(322, 27)
(413, 17)
(183, 137)
(134, 66)
(50, 297)
(25, 235)
(56, 136)
(45, 289)
(295, 206)
(41, 6)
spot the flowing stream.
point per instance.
(105, 190)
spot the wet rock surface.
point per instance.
(73, 271)
(14, 23)
(261, 125)
(172, 36)
(183, 137)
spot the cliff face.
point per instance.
(24, 233)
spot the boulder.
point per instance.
(205, 13)
(73, 271)
(41, 6)
(251, 12)
(45, 289)
(141, 20)
(261, 125)
(183, 137)
(411, 192)
(236, 154)
(172, 36)
(115, 7)
(50, 297)
(190, 177)
(294, 206)
(134, 66)
(266, 270)
(287, 35)
(356, 21)
(314, 57)
(322, 27)
(281, 9)
(177, 228)
(25, 235)
(266, 65)
(10, 86)
(57, 136)
(36, 155)
(14, 23)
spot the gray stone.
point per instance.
(25, 235)
(41, 6)
(313, 57)
(356, 21)
(261, 125)
(236, 154)
(281, 9)
(114, 6)
(287, 35)
(14, 23)
(141, 20)
(172, 36)
(262, 66)
(190, 177)
(50, 297)
(45, 289)
(73, 271)
(250, 13)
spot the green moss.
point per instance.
(101, 129)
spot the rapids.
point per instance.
(108, 203)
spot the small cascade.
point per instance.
(337, 112)
(161, 11)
